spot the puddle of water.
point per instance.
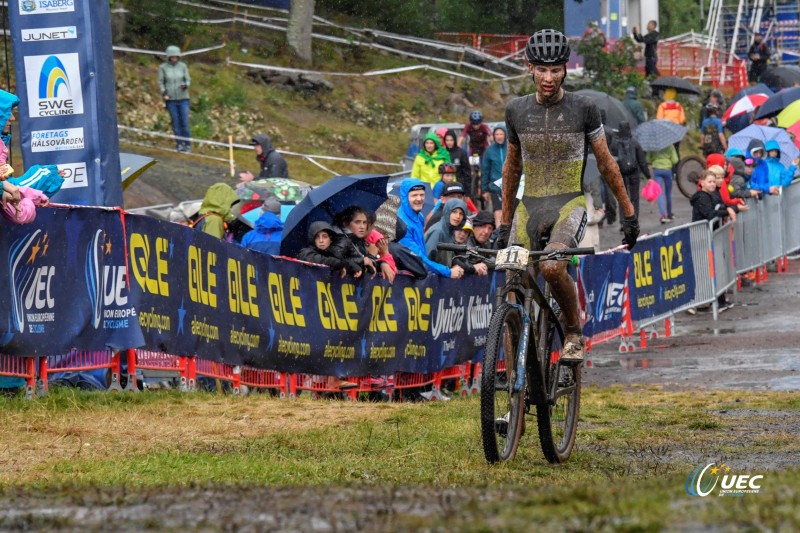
(787, 383)
(635, 363)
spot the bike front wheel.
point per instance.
(558, 418)
(502, 409)
(689, 171)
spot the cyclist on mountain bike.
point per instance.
(549, 133)
(478, 133)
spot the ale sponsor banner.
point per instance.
(65, 79)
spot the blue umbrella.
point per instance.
(740, 122)
(778, 102)
(364, 190)
(788, 150)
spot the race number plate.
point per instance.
(474, 160)
(512, 258)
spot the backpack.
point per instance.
(711, 143)
(626, 156)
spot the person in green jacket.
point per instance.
(662, 163)
(215, 212)
(174, 81)
(427, 161)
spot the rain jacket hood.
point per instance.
(264, 141)
(7, 102)
(773, 145)
(269, 223)
(624, 130)
(414, 239)
(219, 199)
(443, 231)
(318, 226)
(630, 92)
(439, 155)
(173, 50)
(755, 144)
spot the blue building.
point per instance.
(616, 18)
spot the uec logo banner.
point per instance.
(602, 279)
(66, 284)
(200, 296)
(661, 277)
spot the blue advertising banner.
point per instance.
(603, 282)
(662, 275)
(66, 284)
(88, 278)
(65, 80)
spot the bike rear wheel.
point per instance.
(688, 173)
(558, 419)
(497, 395)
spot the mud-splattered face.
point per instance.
(547, 78)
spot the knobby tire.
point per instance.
(497, 397)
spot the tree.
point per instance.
(298, 34)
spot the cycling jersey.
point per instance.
(553, 141)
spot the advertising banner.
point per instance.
(662, 275)
(65, 83)
(603, 290)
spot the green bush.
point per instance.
(610, 69)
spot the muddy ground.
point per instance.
(753, 346)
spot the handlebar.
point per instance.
(463, 248)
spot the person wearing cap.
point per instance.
(412, 198)
(483, 226)
(272, 163)
(492, 172)
(174, 82)
(465, 236)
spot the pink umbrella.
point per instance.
(744, 105)
(795, 129)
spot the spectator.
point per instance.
(320, 236)
(740, 177)
(650, 48)
(722, 188)
(412, 197)
(707, 203)
(633, 104)
(21, 209)
(460, 158)
(266, 236)
(711, 131)
(758, 53)
(454, 191)
(454, 215)
(174, 82)
(759, 180)
(779, 175)
(493, 161)
(448, 176)
(273, 165)
(427, 160)
(478, 132)
(670, 109)
(472, 266)
(378, 246)
(215, 211)
(632, 162)
(716, 98)
(483, 226)
(354, 223)
(662, 163)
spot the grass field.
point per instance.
(635, 449)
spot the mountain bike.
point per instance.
(522, 366)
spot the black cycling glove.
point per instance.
(503, 235)
(630, 229)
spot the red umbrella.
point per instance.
(744, 105)
(795, 129)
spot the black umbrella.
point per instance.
(781, 77)
(679, 84)
(778, 102)
(615, 111)
(655, 135)
(367, 191)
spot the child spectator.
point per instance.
(737, 183)
(470, 265)
(454, 191)
(759, 179)
(447, 172)
(320, 236)
(427, 160)
(722, 187)
(492, 171)
(779, 175)
(266, 236)
(707, 203)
